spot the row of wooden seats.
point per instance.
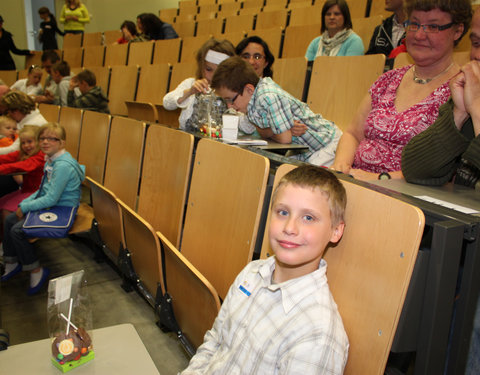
(191, 10)
(193, 283)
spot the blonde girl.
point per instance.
(30, 85)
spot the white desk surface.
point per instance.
(456, 194)
(118, 350)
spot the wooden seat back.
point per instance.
(185, 29)
(273, 38)
(339, 83)
(123, 85)
(74, 56)
(153, 83)
(9, 77)
(365, 27)
(71, 120)
(190, 46)
(92, 151)
(290, 73)
(116, 54)
(92, 39)
(311, 15)
(271, 19)
(243, 22)
(180, 72)
(34, 59)
(167, 51)
(369, 270)
(209, 27)
(51, 112)
(124, 158)
(298, 38)
(223, 211)
(108, 215)
(195, 301)
(165, 177)
(72, 40)
(140, 53)
(144, 247)
(111, 36)
(93, 56)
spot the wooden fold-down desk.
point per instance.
(454, 254)
(118, 350)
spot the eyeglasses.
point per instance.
(256, 56)
(49, 139)
(430, 29)
(231, 101)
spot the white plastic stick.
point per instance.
(69, 315)
(73, 325)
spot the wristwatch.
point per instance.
(384, 176)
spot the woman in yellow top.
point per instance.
(74, 16)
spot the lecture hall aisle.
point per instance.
(25, 319)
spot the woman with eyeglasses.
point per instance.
(255, 50)
(404, 102)
(338, 38)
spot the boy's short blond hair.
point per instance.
(311, 176)
(58, 129)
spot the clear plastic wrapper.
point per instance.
(69, 321)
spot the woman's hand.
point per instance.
(341, 166)
(199, 86)
(19, 213)
(360, 174)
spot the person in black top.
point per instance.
(48, 29)
(390, 33)
(7, 45)
(153, 28)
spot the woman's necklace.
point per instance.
(423, 81)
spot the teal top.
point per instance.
(60, 185)
(353, 46)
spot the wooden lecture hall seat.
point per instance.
(339, 83)
(369, 271)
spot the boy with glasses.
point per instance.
(274, 111)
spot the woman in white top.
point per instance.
(212, 53)
(30, 85)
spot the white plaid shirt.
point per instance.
(262, 328)
(272, 107)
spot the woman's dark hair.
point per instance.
(152, 25)
(269, 58)
(342, 4)
(130, 26)
(44, 10)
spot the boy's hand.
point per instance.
(73, 84)
(298, 129)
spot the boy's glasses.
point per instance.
(231, 101)
(429, 29)
(256, 56)
(49, 139)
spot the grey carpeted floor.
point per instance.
(25, 319)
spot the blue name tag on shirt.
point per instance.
(244, 290)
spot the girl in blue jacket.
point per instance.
(60, 187)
